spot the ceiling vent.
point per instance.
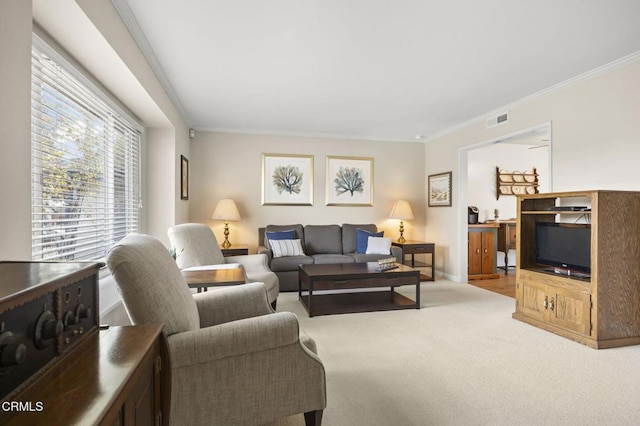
(498, 119)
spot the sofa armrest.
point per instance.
(234, 338)
(267, 252)
(397, 253)
(225, 304)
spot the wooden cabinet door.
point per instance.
(570, 309)
(531, 298)
(488, 253)
(475, 253)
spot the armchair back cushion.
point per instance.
(195, 245)
(152, 287)
(323, 239)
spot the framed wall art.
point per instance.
(287, 179)
(184, 178)
(349, 181)
(439, 190)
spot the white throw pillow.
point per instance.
(282, 248)
(378, 245)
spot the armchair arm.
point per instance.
(234, 338)
(225, 304)
(251, 262)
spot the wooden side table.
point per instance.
(235, 250)
(201, 280)
(414, 247)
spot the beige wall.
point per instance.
(15, 122)
(225, 165)
(596, 144)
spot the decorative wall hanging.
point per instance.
(184, 178)
(514, 183)
(439, 192)
(287, 179)
(349, 181)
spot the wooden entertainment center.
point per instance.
(601, 310)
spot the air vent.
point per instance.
(498, 119)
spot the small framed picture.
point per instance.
(349, 181)
(184, 178)
(439, 190)
(287, 179)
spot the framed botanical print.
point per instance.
(184, 178)
(439, 192)
(349, 181)
(287, 179)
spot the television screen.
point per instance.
(565, 245)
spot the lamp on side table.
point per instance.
(401, 210)
(226, 211)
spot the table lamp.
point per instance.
(226, 211)
(401, 210)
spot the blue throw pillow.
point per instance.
(289, 234)
(362, 237)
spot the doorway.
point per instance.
(517, 151)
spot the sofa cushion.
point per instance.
(349, 235)
(297, 229)
(289, 263)
(332, 258)
(281, 235)
(323, 239)
(284, 248)
(378, 245)
(362, 239)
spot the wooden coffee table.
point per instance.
(345, 276)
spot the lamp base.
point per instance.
(401, 239)
(226, 243)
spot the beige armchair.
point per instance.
(233, 360)
(196, 245)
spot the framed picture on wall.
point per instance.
(349, 181)
(184, 178)
(287, 179)
(439, 190)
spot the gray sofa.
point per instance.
(321, 244)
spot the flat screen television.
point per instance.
(564, 245)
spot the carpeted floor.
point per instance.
(462, 360)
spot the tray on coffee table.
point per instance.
(333, 279)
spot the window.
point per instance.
(85, 164)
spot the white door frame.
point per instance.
(463, 254)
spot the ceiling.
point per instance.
(370, 69)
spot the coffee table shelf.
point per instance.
(341, 277)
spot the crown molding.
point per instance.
(301, 134)
(596, 72)
(133, 26)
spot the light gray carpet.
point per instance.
(462, 360)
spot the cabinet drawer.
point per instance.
(364, 283)
(415, 250)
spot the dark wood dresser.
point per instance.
(115, 377)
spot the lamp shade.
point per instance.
(401, 210)
(226, 210)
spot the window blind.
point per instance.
(85, 166)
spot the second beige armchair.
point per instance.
(195, 244)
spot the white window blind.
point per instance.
(85, 166)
